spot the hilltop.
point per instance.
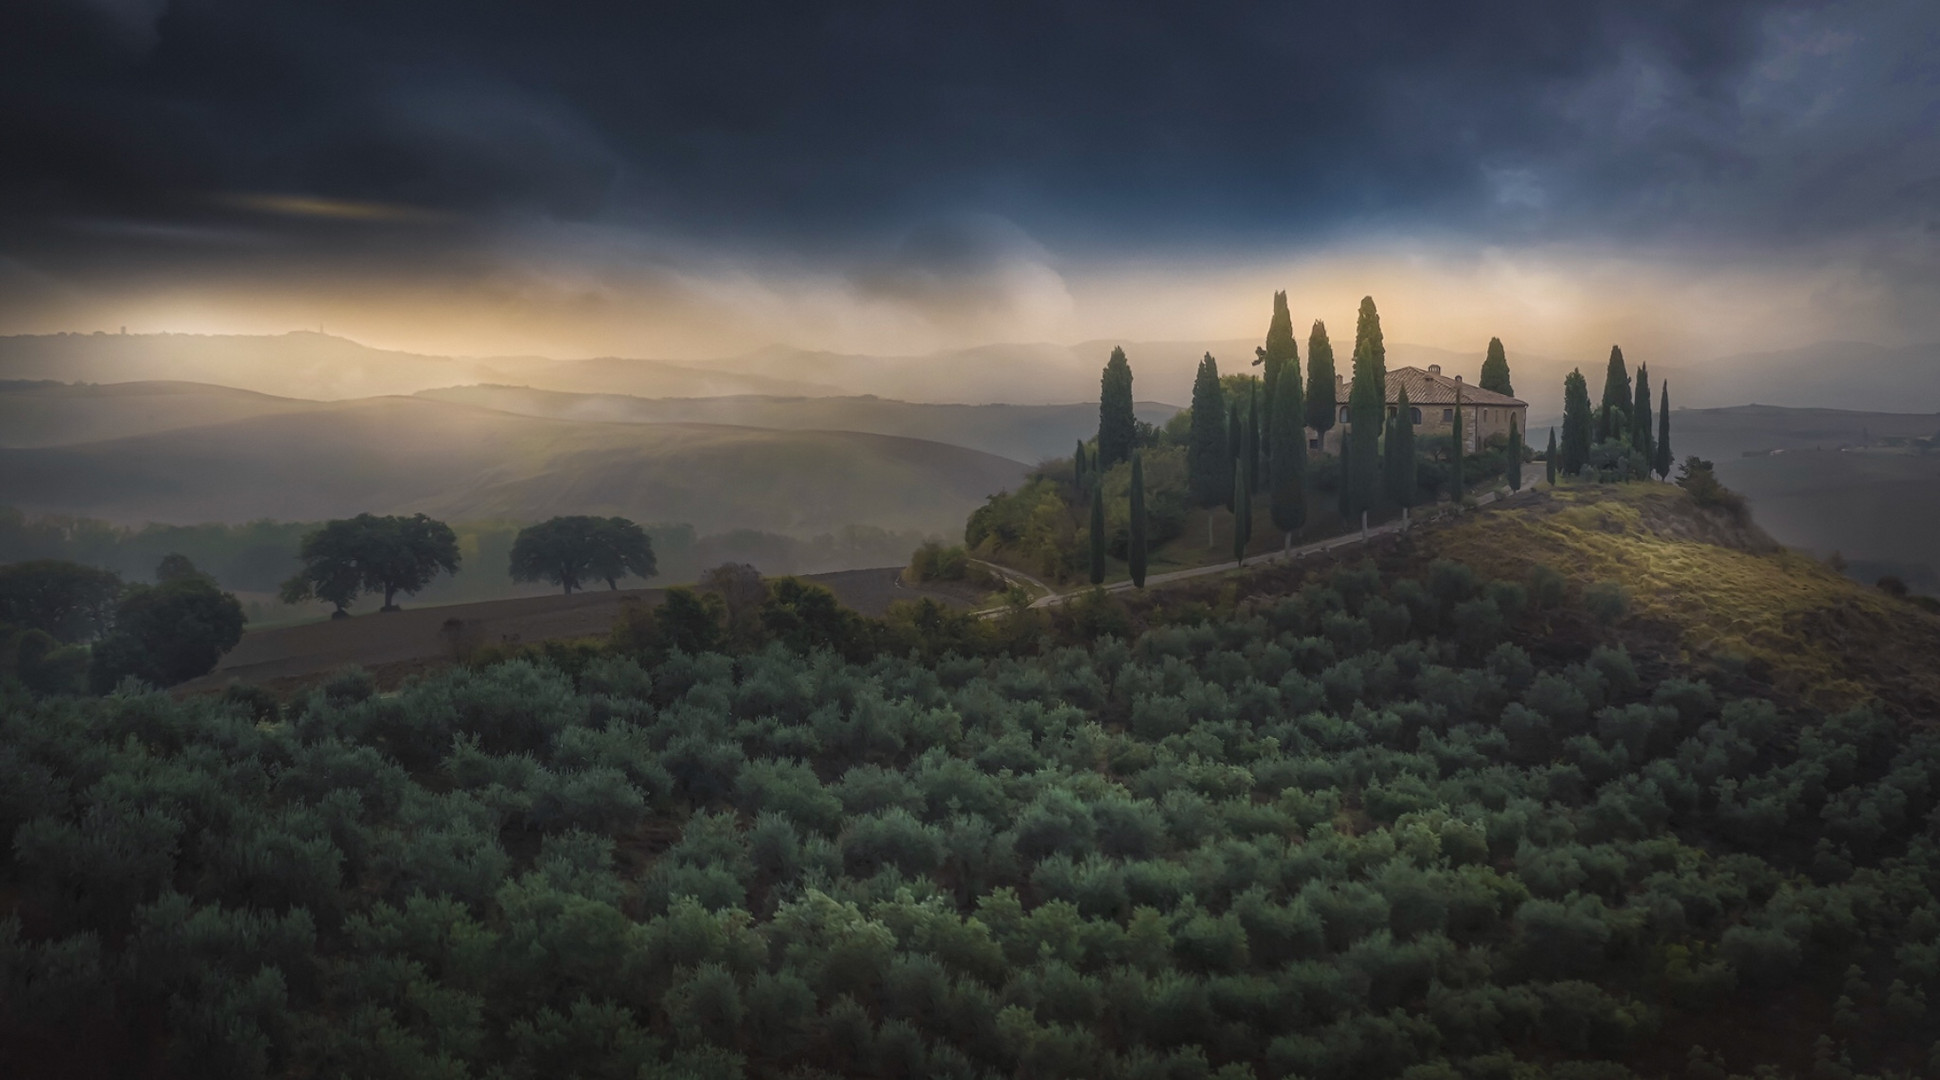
(1713, 593)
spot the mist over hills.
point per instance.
(408, 455)
(1829, 375)
(306, 364)
(1028, 433)
(44, 413)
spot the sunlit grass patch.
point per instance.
(1733, 596)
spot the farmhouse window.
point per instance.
(1448, 416)
(1416, 415)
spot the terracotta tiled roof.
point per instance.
(1430, 388)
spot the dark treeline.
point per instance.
(259, 556)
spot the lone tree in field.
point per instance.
(1576, 422)
(1208, 480)
(1640, 416)
(1279, 351)
(1366, 407)
(388, 555)
(571, 551)
(1117, 427)
(1135, 546)
(1288, 461)
(1515, 455)
(1320, 382)
(1549, 459)
(1663, 462)
(1098, 534)
(1399, 453)
(1495, 369)
(1613, 415)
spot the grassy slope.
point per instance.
(464, 463)
(1720, 591)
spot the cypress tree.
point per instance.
(1097, 533)
(1515, 455)
(1256, 433)
(1279, 351)
(1117, 428)
(1078, 464)
(1640, 417)
(1206, 478)
(1135, 551)
(1235, 451)
(1455, 471)
(1366, 406)
(1288, 462)
(1320, 382)
(1616, 400)
(1242, 516)
(1400, 451)
(1663, 462)
(1549, 459)
(1576, 422)
(1495, 369)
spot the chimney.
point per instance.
(1340, 387)
(1458, 378)
(1434, 369)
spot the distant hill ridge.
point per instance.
(466, 462)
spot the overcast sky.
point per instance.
(1689, 177)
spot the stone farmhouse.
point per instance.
(1432, 400)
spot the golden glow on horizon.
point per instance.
(1566, 305)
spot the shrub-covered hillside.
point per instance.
(1349, 831)
(1714, 588)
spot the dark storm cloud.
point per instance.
(1096, 127)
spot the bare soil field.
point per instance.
(398, 643)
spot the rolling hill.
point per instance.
(468, 463)
(1020, 432)
(44, 413)
(305, 364)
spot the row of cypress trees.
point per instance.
(1239, 447)
(1378, 460)
(1622, 417)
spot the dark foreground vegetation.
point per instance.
(1405, 824)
